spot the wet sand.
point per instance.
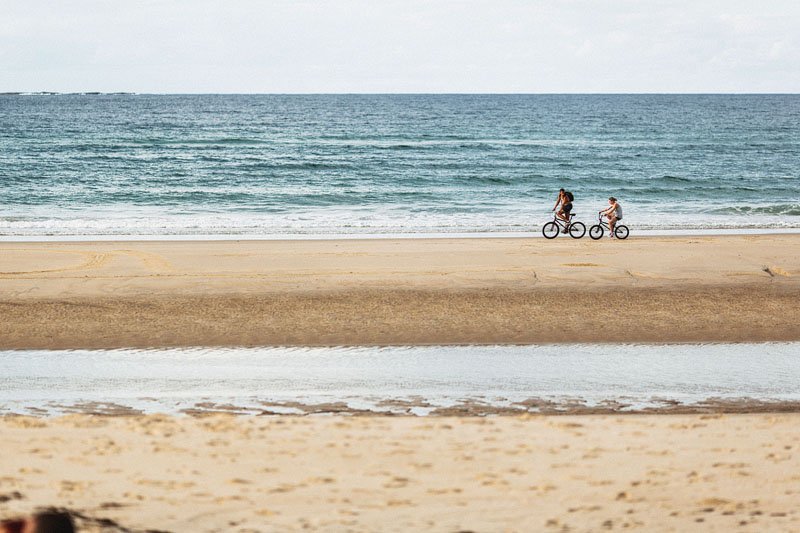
(577, 473)
(403, 291)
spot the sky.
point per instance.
(400, 46)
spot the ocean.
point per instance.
(315, 165)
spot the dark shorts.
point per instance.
(567, 208)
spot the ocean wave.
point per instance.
(327, 216)
(679, 179)
(234, 141)
(779, 209)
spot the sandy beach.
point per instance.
(399, 291)
(717, 466)
(577, 473)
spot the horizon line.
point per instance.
(400, 93)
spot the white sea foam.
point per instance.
(134, 222)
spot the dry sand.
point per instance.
(399, 291)
(577, 473)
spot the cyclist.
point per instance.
(565, 201)
(613, 213)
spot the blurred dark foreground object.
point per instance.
(44, 522)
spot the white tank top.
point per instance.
(619, 211)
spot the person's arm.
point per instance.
(558, 201)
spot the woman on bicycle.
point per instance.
(612, 213)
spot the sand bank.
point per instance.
(442, 291)
(581, 473)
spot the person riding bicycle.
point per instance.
(564, 200)
(613, 213)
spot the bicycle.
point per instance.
(621, 231)
(551, 230)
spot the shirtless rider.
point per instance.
(564, 200)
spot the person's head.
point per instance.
(560, 191)
(42, 522)
(612, 200)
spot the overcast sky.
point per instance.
(264, 46)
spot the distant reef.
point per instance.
(52, 93)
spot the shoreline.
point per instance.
(400, 408)
(268, 237)
(399, 292)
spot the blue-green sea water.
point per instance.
(84, 165)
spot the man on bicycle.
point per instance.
(565, 201)
(612, 213)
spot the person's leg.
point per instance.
(562, 216)
(612, 220)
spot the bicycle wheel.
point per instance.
(596, 232)
(550, 230)
(577, 230)
(621, 232)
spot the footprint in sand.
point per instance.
(91, 261)
(775, 271)
(16, 495)
(151, 261)
(581, 265)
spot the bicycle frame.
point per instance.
(560, 221)
(603, 223)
